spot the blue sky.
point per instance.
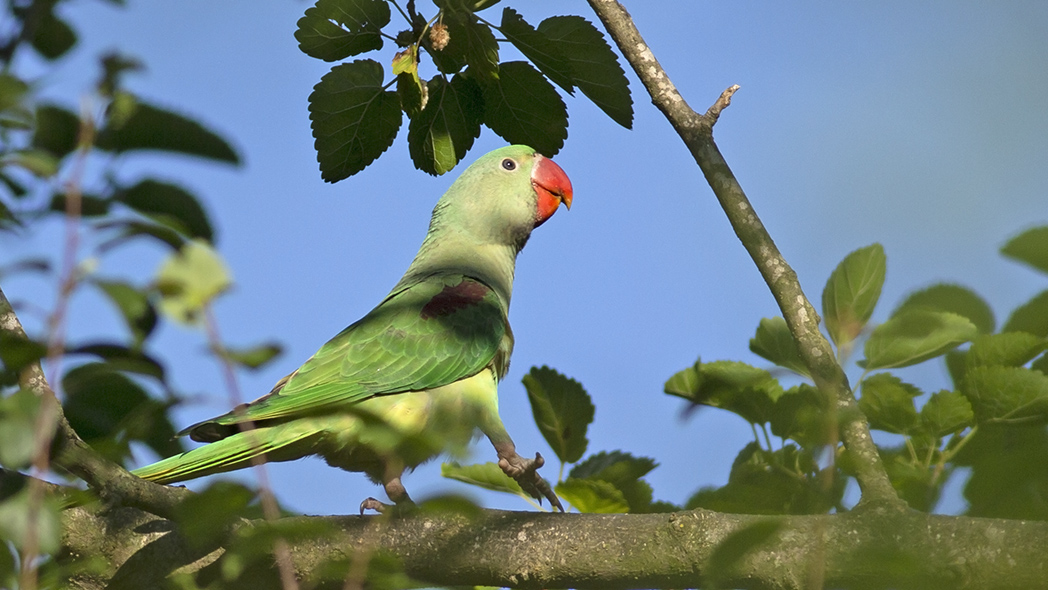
(924, 128)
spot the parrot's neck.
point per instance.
(492, 264)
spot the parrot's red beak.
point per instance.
(552, 186)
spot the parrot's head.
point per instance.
(504, 195)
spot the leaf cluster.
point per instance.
(357, 108)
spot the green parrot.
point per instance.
(422, 366)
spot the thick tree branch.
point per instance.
(697, 132)
(71, 453)
(872, 548)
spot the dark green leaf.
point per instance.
(12, 91)
(954, 299)
(595, 68)
(205, 517)
(410, 89)
(946, 412)
(57, 130)
(802, 414)
(443, 132)
(537, 47)
(1007, 394)
(1041, 364)
(1030, 247)
(148, 127)
(522, 108)
(1007, 349)
(17, 353)
(914, 336)
(354, 119)
(1009, 472)
(727, 557)
(254, 357)
(562, 410)
(122, 358)
(90, 205)
(336, 29)
(17, 189)
(8, 219)
(592, 496)
(133, 229)
(476, 43)
(852, 291)
(52, 36)
(18, 415)
(486, 475)
(775, 343)
(1030, 317)
(170, 205)
(911, 479)
(888, 403)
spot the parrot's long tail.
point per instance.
(277, 443)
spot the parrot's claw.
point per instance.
(526, 473)
(373, 504)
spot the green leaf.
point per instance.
(40, 163)
(1008, 478)
(254, 357)
(12, 91)
(18, 416)
(189, 280)
(1030, 317)
(737, 387)
(946, 412)
(475, 42)
(134, 228)
(802, 414)
(727, 557)
(915, 336)
(1041, 364)
(594, 66)
(90, 205)
(592, 496)
(121, 358)
(624, 472)
(888, 403)
(15, 521)
(354, 119)
(852, 292)
(537, 47)
(57, 130)
(336, 29)
(1007, 394)
(151, 128)
(954, 299)
(410, 89)
(443, 132)
(1007, 349)
(52, 37)
(1029, 247)
(486, 475)
(685, 383)
(523, 108)
(775, 343)
(206, 516)
(562, 410)
(170, 205)
(17, 353)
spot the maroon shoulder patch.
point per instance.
(452, 299)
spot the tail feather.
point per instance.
(281, 442)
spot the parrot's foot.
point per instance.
(526, 474)
(373, 504)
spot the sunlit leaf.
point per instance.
(189, 280)
(1029, 247)
(624, 472)
(40, 163)
(486, 475)
(522, 108)
(354, 119)
(946, 412)
(254, 357)
(915, 336)
(562, 410)
(443, 132)
(592, 496)
(147, 127)
(852, 291)
(336, 29)
(1007, 349)
(801, 414)
(737, 387)
(954, 299)
(1007, 394)
(410, 88)
(775, 343)
(594, 66)
(888, 404)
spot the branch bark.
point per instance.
(696, 130)
(872, 548)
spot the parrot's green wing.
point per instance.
(434, 332)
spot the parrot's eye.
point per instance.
(509, 164)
